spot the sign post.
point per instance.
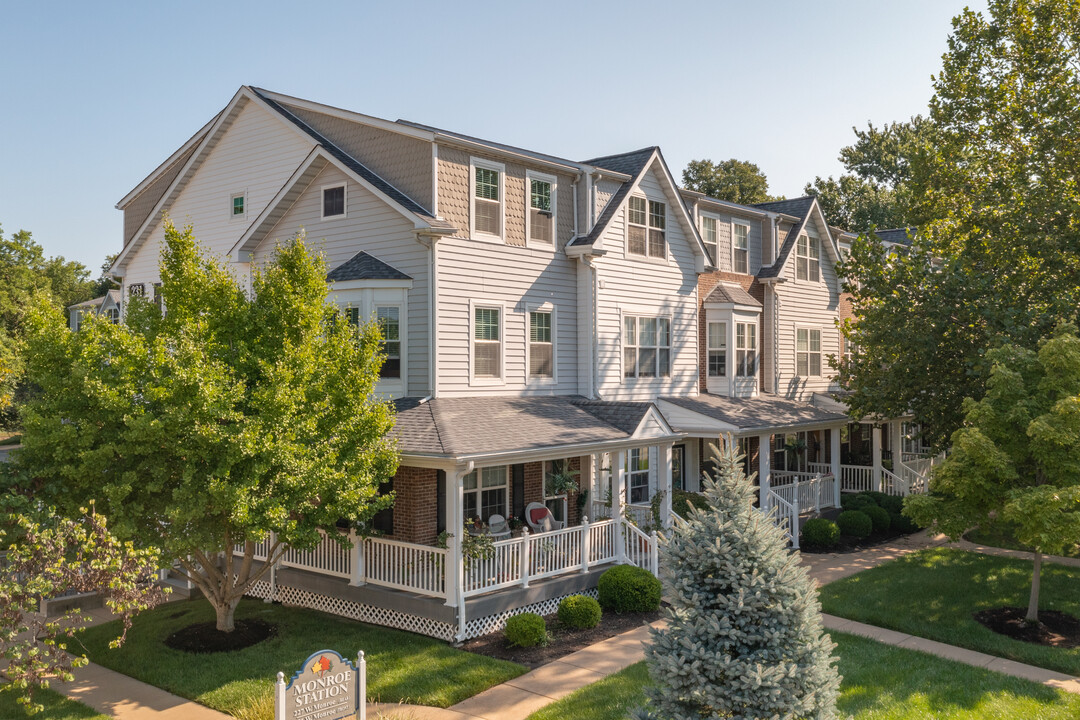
(326, 687)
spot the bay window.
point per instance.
(745, 349)
(717, 349)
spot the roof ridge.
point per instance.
(649, 149)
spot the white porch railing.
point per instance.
(327, 558)
(856, 478)
(814, 492)
(640, 515)
(403, 566)
(641, 549)
(785, 514)
(892, 484)
(819, 468)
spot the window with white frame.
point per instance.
(541, 189)
(333, 201)
(487, 192)
(745, 349)
(541, 345)
(717, 349)
(637, 475)
(647, 223)
(486, 493)
(807, 352)
(113, 315)
(389, 319)
(487, 342)
(740, 248)
(238, 205)
(807, 258)
(556, 471)
(708, 236)
(646, 346)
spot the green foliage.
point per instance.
(579, 611)
(733, 180)
(892, 503)
(853, 203)
(744, 635)
(858, 501)
(628, 588)
(902, 523)
(683, 500)
(879, 518)
(855, 523)
(820, 533)
(225, 419)
(526, 630)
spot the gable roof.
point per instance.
(566, 165)
(802, 208)
(732, 294)
(633, 164)
(796, 207)
(363, 266)
(757, 413)
(897, 236)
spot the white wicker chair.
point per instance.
(540, 519)
(498, 527)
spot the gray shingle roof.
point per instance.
(724, 293)
(489, 143)
(632, 164)
(355, 165)
(759, 413)
(363, 266)
(797, 207)
(898, 236)
(473, 425)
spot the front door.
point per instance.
(678, 467)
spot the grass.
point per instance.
(1001, 536)
(933, 593)
(402, 667)
(881, 682)
(57, 707)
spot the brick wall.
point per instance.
(706, 283)
(416, 505)
(534, 488)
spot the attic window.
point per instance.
(333, 201)
(645, 230)
(807, 258)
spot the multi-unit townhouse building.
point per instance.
(542, 317)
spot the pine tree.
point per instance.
(744, 637)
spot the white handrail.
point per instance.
(405, 566)
(326, 558)
(786, 515)
(638, 546)
(856, 478)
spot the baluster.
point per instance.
(525, 557)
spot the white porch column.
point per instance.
(618, 499)
(455, 522)
(896, 445)
(875, 436)
(666, 469)
(834, 456)
(764, 469)
(597, 491)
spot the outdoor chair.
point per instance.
(498, 527)
(540, 519)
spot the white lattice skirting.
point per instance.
(494, 623)
(356, 611)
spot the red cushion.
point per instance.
(537, 515)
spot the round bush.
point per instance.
(879, 516)
(858, 501)
(855, 523)
(892, 504)
(820, 533)
(682, 501)
(579, 611)
(902, 523)
(626, 588)
(879, 498)
(526, 630)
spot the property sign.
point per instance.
(326, 687)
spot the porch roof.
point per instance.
(744, 416)
(472, 426)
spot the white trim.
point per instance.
(336, 285)
(389, 385)
(531, 175)
(435, 179)
(648, 315)
(746, 225)
(232, 198)
(702, 217)
(820, 352)
(666, 260)
(475, 162)
(344, 200)
(552, 309)
(397, 128)
(169, 162)
(501, 307)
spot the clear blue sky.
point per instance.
(95, 95)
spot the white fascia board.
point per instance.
(149, 179)
(703, 253)
(336, 285)
(351, 116)
(522, 157)
(556, 452)
(733, 306)
(727, 204)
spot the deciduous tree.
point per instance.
(733, 180)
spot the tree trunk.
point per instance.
(1033, 601)
(225, 612)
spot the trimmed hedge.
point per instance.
(902, 523)
(579, 611)
(683, 500)
(859, 501)
(820, 533)
(855, 523)
(879, 516)
(526, 630)
(626, 588)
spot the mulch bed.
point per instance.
(561, 640)
(1054, 629)
(205, 638)
(848, 544)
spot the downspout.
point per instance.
(589, 200)
(433, 322)
(776, 341)
(594, 379)
(573, 187)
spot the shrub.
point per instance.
(855, 523)
(857, 501)
(891, 503)
(879, 516)
(683, 500)
(626, 588)
(902, 523)
(526, 630)
(879, 498)
(821, 533)
(579, 611)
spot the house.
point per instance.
(108, 305)
(543, 319)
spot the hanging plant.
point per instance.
(562, 482)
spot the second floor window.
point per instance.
(745, 349)
(740, 248)
(647, 223)
(708, 235)
(487, 201)
(541, 348)
(807, 258)
(807, 352)
(717, 349)
(238, 205)
(647, 347)
(487, 345)
(333, 201)
(637, 475)
(389, 319)
(541, 211)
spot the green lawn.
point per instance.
(1000, 536)
(880, 683)
(402, 667)
(933, 593)
(57, 707)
